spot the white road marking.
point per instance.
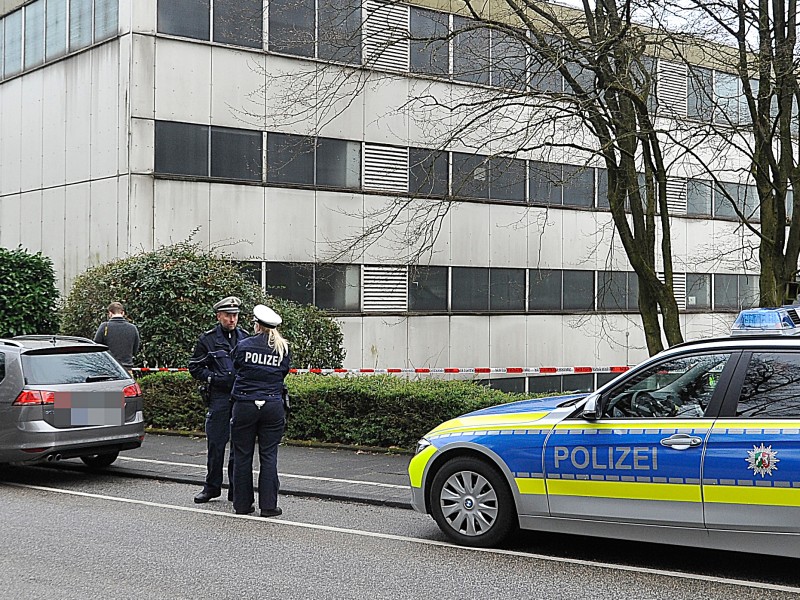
(421, 541)
(287, 475)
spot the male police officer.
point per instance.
(211, 364)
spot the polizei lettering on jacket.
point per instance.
(257, 358)
(618, 458)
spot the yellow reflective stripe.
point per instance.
(417, 466)
(746, 494)
(751, 424)
(626, 424)
(628, 490)
(506, 421)
(531, 486)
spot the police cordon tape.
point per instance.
(435, 370)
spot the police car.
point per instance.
(697, 446)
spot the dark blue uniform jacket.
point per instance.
(259, 370)
(212, 358)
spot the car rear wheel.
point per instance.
(98, 461)
(471, 502)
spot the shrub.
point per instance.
(382, 411)
(168, 293)
(28, 294)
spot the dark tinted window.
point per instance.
(578, 290)
(251, 271)
(338, 163)
(544, 384)
(291, 281)
(2, 366)
(53, 369)
(291, 26)
(726, 292)
(106, 19)
(186, 18)
(427, 289)
(338, 287)
(181, 148)
(427, 172)
(429, 46)
(545, 183)
(579, 382)
(698, 197)
(238, 22)
(771, 387)
(340, 30)
(236, 153)
(506, 289)
(604, 378)
(470, 175)
(602, 188)
(617, 290)
(470, 51)
(470, 289)
(290, 159)
(507, 179)
(545, 289)
(578, 186)
(508, 384)
(509, 57)
(698, 291)
(700, 101)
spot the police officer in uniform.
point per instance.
(212, 365)
(261, 363)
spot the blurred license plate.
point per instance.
(81, 409)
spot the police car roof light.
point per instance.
(767, 321)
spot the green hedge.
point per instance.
(383, 411)
(28, 294)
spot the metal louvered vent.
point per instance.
(386, 36)
(676, 195)
(672, 88)
(385, 168)
(793, 316)
(385, 289)
(678, 288)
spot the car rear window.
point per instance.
(78, 367)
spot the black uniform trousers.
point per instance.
(218, 432)
(266, 424)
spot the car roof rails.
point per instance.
(53, 338)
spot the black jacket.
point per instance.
(259, 370)
(211, 362)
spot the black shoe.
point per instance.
(205, 496)
(246, 511)
(272, 512)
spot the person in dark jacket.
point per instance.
(261, 363)
(211, 364)
(120, 335)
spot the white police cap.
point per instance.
(230, 304)
(266, 316)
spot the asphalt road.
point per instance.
(76, 534)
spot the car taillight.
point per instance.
(28, 397)
(132, 391)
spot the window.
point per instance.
(238, 22)
(429, 47)
(617, 290)
(185, 18)
(698, 291)
(545, 180)
(506, 290)
(251, 269)
(181, 148)
(544, 384)
(680, 388)
(560, 290)
(578, 186)
(470, 176)
(340, 30)
(292, 26)
(544, 76)
(578, 290)
(427, 172)
(735, 292)
(292, 281)
(427, 289)
(509, 385)
(236, 154)
(338, 163)
(507, 179)
(56, 29)
(470, 289)
(725, 196)
(80, 24)
(509, 60)
(290, 159)
(700, 100)
(13, 43)
(578, 383)
(604, 378)
(106, 19)
(771, 387)
(470, 51)
(602, 188)
(698, 197)
(338, 287)
(727, 92)
(34, 34)
(556, 184)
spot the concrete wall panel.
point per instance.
(31, 220)
(181, 210)
(289, 229)
(141, 213)
(236, 219)
(507, 346)
(31, 149)
(10, 217)
(54, 125)
(78, 113)
(105, 103)
(339, 222)
(53, 238)
(428, 341)
(238, 92)
(469, 234)
(11, 135)
(183, 81)
(143, 84)
(469, 341)
(508, 236)
(386, 342)
(77, 224)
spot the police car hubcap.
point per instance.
(469, 503)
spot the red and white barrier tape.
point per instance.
(439, 370)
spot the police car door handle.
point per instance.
(681, 441)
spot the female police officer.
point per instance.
(261, 363)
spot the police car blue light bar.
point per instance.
(767, 321)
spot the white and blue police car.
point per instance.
(699, 445)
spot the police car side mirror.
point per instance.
(590, 408)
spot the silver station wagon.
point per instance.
(65, 397)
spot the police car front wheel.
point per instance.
(471, 502)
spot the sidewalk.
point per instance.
(320, 472)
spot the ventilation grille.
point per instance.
(678, 288)
(672, 88)
(385, 289)
(676, 195)
(386, 36)
(793, 316)
(385, 168)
